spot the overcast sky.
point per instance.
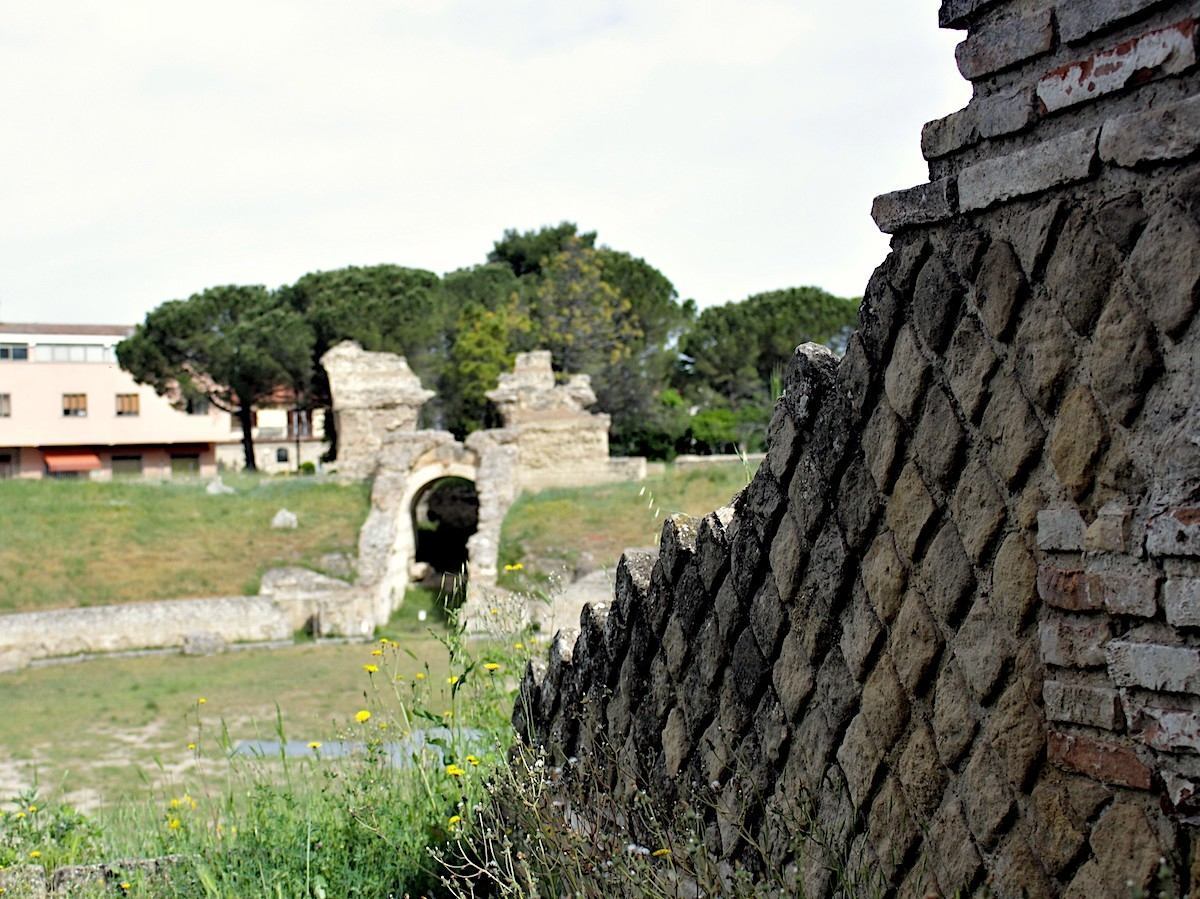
(151, 149)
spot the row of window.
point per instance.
(57, 352)
(75, 405)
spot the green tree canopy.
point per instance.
(234, 345)
(526, 252)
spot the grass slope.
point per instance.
(68, 544)
(568, 526)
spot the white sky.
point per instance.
(154, 148)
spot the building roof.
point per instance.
(80, 330)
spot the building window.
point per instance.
(5, 405)
(8, 464)
(127, 404)
(14, 352)
(185, 464)
(197, 406)
(281, 454)
(75, 404)
(300, 423)
(73, 352)
(126, 466)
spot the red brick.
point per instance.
(1111, 763)
(1066, 589)
(1124, 594)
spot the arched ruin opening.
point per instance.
(445, 513)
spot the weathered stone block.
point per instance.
(1152, 666)
(953, 715)
(884, 703)
(946, 135)
(924, 204)
(986, 795)
(1123, 356)
(1065, 588)
(904, 380)
(1127, 851)
(982, 649)
(861, 631)
(882, 444)
(946, 575)
(937, 301)
(857, 503)
(1052, 163)
(1125, 594)
(978, 509)
(1169, 730)
(1054, 825)
(1060, 530)
(1078, 19)
(1079, 434)
(939, 438)
(1082, 270)
(1157, 135)
(787, 558)
(960, 13)
(793, 674)
(955, 858)
(884, 576)
(915, 641)
(1155, 54)
(1014, 583)
(1105, 761)
(1181, 598)
(1000, 289)
(910, 510)
(1165, 266)
(747, 665)
(921, 772)
(1081, 704)
(1074, 644)
(1012, 428)
(1176, 532)
(767, 617)
(970, 362)
(1045, 353)
(891, 828)
(1005, 43)
(859, 756)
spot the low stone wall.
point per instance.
(949, 635)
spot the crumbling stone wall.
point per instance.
(956, 614)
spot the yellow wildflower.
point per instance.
(174, 803)
(455, 770)
(473, 759)
(20, 815)
(362, 716)
(493, 611)
(174, 824)
(315, 744)
(383, 725)
(516, 566)
(447, 714)
(452, 679)
(377, 652)
(201, 700)
(491, 667)
(384, 641)
(455, 820)
(189, 801)
(420, 675)
(36, 853)
(126, 885)
(518, 646)
(192, 746)
(370, 669)
(33, 809)
(661, 853)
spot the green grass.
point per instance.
(69, 544)
(564, 525)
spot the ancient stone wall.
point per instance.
(953, 624)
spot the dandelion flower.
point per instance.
(420, 675)
(33, 809)
(518, 646)
(126, 886)
(174, 803)
(452, 679)
(20, 815)
(473, 759)
(447, 714)
(377, 652)
(661, 853)
(383, 725)
(384, 641)
(370, 669)
(174, 824)
(455, 770)
(491, 667)
(315, 744)
(201, 700)
(192, 747)
(362, 716)
(455, 820)
(36, 853)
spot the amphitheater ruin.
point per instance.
(950, 633)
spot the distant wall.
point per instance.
(953, 623)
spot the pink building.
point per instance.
(67, 409)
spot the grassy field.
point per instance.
(111, 728)
(68, 544)
(563, 526)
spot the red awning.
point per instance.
(59, 462)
